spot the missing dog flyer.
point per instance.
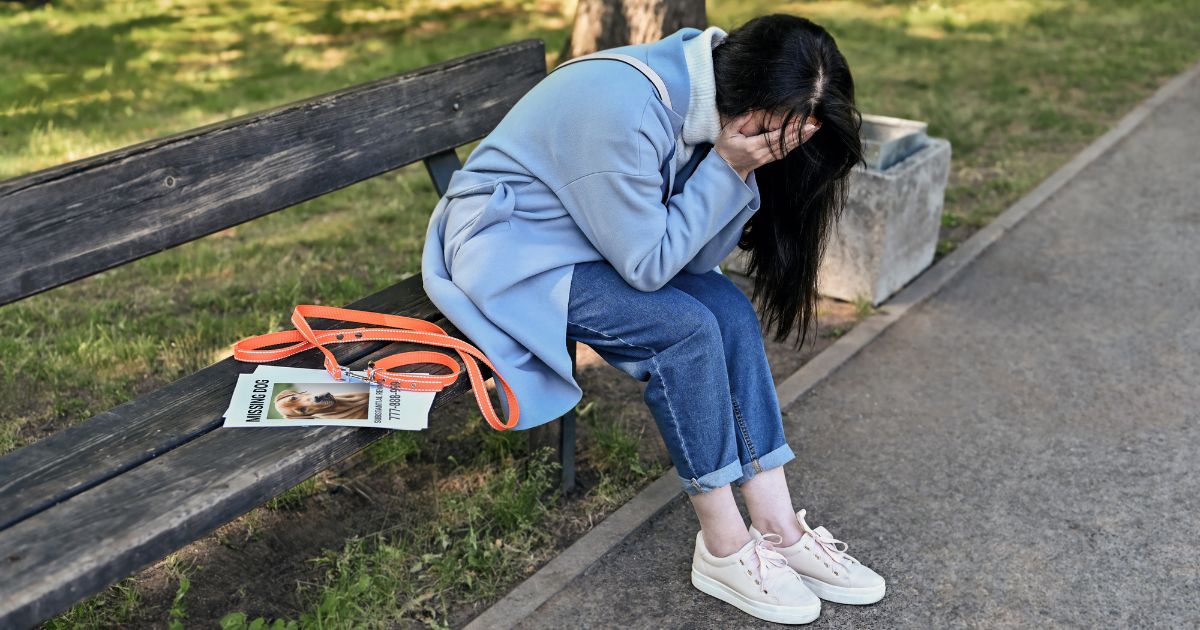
(287, 397)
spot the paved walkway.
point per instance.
(1023, 448)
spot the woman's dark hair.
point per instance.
(788, 64)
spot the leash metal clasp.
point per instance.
(367, 376)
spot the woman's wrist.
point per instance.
(741, 173)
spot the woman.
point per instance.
(598, 210)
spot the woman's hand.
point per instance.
(746, 152)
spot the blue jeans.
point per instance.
(697, 345)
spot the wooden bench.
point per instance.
(92, 504)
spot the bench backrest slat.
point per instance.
(81, 218)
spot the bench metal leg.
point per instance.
(441, 166)
(560, 435)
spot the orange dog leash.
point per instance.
(396, 328)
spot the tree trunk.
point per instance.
(601, 24)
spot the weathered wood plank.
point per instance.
(68, 462)
(80, 546)
(81, 218)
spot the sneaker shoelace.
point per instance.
(827, 543)
(771, 563)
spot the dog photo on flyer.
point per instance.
(281, 397)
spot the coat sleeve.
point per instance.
(719, 246)
(621, 212)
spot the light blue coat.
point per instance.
(576, 171)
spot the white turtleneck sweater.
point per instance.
(702, 123)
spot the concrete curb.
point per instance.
(608, 534)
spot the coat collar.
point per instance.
(667, 58)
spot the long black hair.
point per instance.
(789, 65)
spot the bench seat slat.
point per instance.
(81, 218)
(70, 461)
(80, 546)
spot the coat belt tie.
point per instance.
(499, 205)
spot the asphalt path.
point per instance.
(1022, 448)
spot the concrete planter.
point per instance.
(889, 229)
(887, 140)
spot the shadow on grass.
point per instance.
(91, 84)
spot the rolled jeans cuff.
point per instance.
(774, 459)
(722, 476)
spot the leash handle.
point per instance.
(383, 327)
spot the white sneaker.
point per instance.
(756, 580)
(830, 572)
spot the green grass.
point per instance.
(481, 534)
(489, 525)
(83, 77)
(1018, 86)
(294, 497)
(395, 449)
(110, 610)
